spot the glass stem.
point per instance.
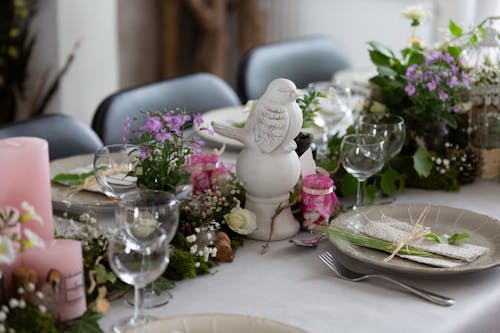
(138, 302)
(360, 196)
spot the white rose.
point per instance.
(242, 221)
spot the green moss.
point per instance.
(181, 266)
(31, 319)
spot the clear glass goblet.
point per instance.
(114, 168)
(137, 255)
(392, 129)
(362, 155)
(149, 208)
(332, 108)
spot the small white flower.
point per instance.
(11, 330)
(191, 238)
(7, 251)
(200, 253)
(197, 230)
(193, 249)
(196, 264)
(433, 158)
(5, 308)
(13, 303)
(20, 290)
(442, 171)
(438, 161)
(2, 328)
(415, 13)
(214, 252)
(3, 316)
(22, 303)
(30, 287)
(34, 239)
(39, 295)
(31, 214)
(42, 308)
(242, 221)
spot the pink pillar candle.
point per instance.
(60, 271)
(25, 176)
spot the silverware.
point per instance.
(307, 242)
(346, 274)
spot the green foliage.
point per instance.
(421, 162)
(181, 266)
(309, 104)
(87, 324)
(102, 275)
(455, 29)
(391, 180)
(72, 179)
(31, 319)
(447, 239)
(162, 283)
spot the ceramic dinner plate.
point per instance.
(230, 116)
(483, 230)
(216, 323)
(82, 201)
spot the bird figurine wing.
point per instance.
(271, 126)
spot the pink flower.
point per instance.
(152, 125)
(442, 95)
(410, 89)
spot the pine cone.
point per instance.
(469, 164)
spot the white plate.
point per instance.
(229, 116)
(232, 116)
(483, 230)
(216, 323)
(79, 202)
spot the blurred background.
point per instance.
(84, 50)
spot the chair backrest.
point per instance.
(302, 60)
(66, 136)
(195, 92)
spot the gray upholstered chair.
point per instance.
(66, 136)
(302, 60)
(198, 92)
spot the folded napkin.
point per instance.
(393, 230)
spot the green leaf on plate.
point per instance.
(447, 239)
(72, 179)
(87, 324)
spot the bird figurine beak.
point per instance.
(294, 94)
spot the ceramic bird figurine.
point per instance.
(273, 123)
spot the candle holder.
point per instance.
(318, 199)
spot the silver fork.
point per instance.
(346, 274)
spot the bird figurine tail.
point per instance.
(229, 131)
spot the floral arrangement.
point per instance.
(430, 89)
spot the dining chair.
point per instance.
(199, 92)
(302, 60)
(66, 135)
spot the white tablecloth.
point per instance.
(291, 285)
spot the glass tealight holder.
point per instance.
(319, 201)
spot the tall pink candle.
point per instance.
(60, 271)
(25, 176)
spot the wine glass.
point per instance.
(391, 128)
(362, 155)
(114, 168)
(137, 255)
(332, 108)
(149, 207)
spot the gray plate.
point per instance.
(83, 201)
(483, 230)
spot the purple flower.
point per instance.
(152, 125)
(174, 123)
(448, 58)
(454, 68)
(453, 81)
(457, 108)
(465, 79)
(198, 120)
(410, 72)
(126, 129)
(432, 85)
(410, 89)
(143, 152)
(442, 95)
(163, 136)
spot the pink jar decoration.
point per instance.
(318, 199)
(205, 169)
